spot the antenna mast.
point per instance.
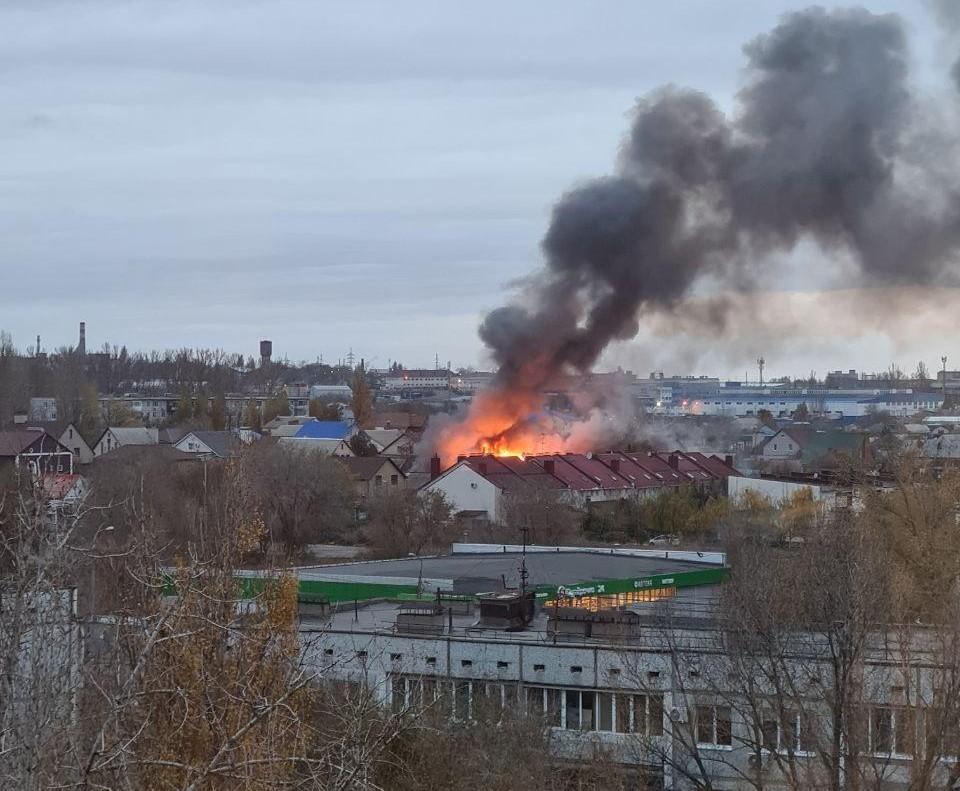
(524, 574)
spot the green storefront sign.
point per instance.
(683, 579)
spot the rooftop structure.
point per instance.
(606, 576)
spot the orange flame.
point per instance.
(501, 423)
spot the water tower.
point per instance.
(266, 352)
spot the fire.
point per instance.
(501, 423)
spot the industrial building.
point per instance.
(733, 400)
(618, 650)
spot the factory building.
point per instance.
(736, 401)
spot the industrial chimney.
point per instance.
(266, 352)
(82, 344)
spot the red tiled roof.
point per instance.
(597, 471)
(641, 478)
(56, 486)
(713, 464)
(687, 466)
(571, 476)
(659, 468)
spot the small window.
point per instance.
(538, 668)
(502, 665)
(394, 480)
(361, 654)
(328, 652)
(396, 657)
(431, 660)
(576, 669)
(378, 480)
(466, 663)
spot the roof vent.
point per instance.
(615, 465)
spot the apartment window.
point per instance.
(579, 709)
(398, 694)
(713, 725)
(790, 733)
(893, 730)
(648, 715)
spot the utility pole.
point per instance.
(524, 574)
(944, 361)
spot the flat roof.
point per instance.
(475, 570)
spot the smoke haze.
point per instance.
(828, 144)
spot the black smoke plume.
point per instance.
(824, 146)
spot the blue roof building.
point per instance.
(326, 429)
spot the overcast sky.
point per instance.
(365, 175)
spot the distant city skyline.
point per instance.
(371, 176)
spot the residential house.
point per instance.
(373, 474)
(35, 450)
(480, 483)
(69, 435)
(393, 442)
(119, 436)
(218, 444)
(945, 447)
(325, 436)
(287, 425)
(805, 448)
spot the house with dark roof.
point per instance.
(67, 433)
(805, 448)
(115, 437)
(373, 474)
(35, 450)
(215, 444)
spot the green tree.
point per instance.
(323, 410)
(361, 445)
(184, 407)
(277, 406)
(90, 419)
(218, 413)
(766, 417)
(251, 416)
(801, 413)
(362, 402)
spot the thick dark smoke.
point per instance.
(948, 12)
(823, 147)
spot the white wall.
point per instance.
(775, 491)
(467, 490)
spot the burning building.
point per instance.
(827, 144)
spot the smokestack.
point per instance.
(674, 461)
(82, 343)
(549, 466)
(434, 467)
(728, 460)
